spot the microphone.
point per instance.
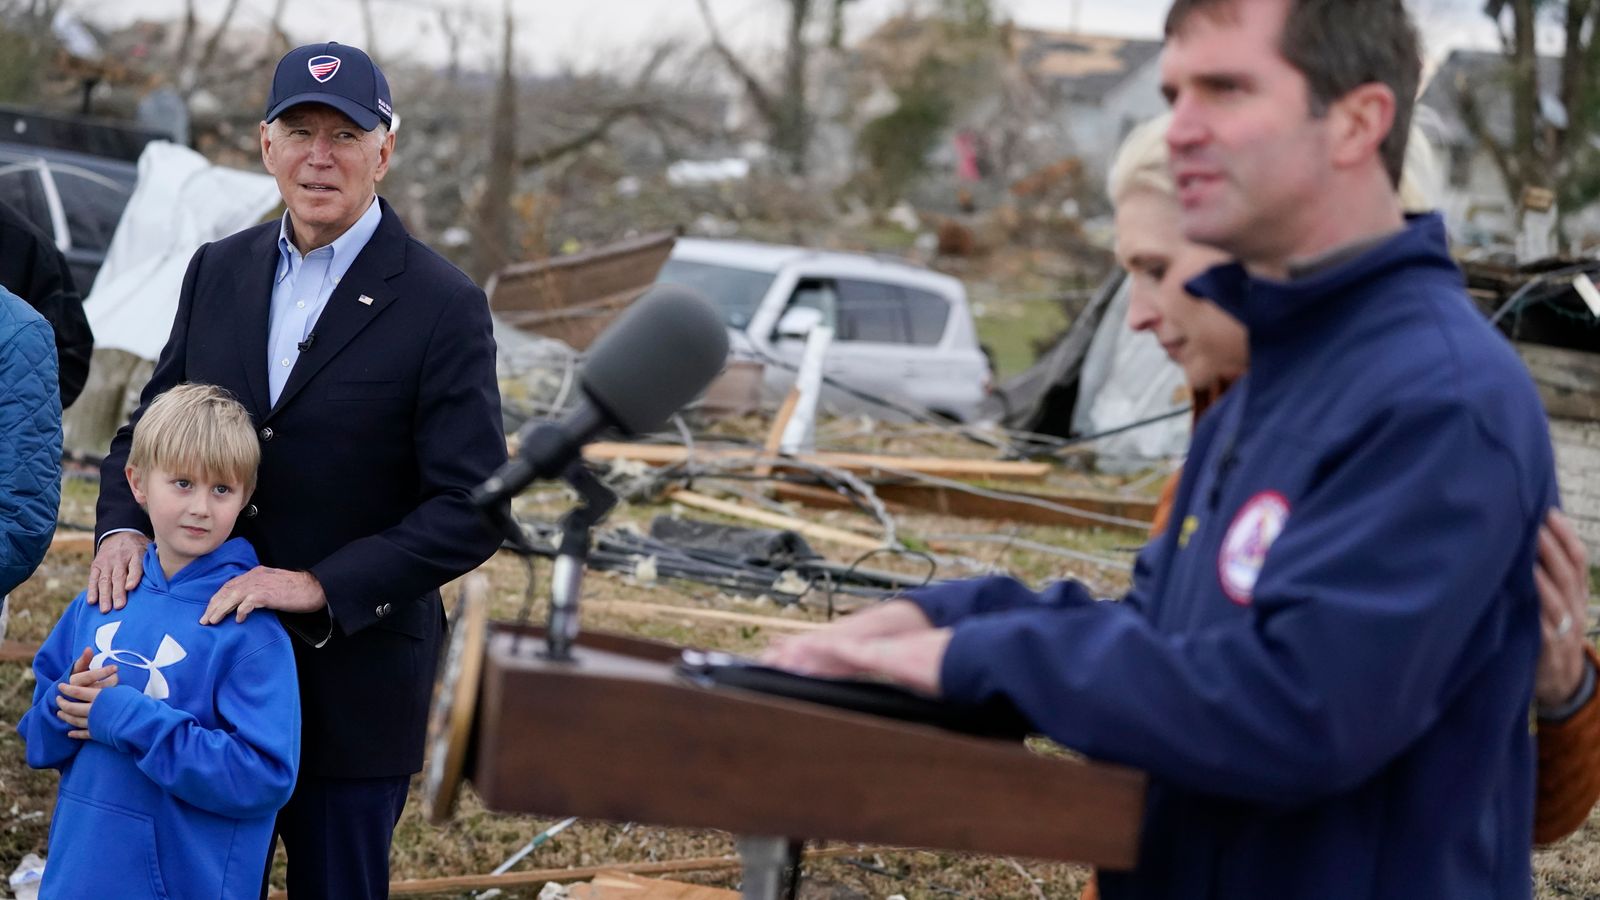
(305, 345)
(662, 352)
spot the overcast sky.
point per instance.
(556, 34)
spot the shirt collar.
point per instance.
(1273, 308)
(344, 248)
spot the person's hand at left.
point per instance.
(1562, 576)
(911, 659)
(283, 590)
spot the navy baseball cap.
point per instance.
(338, 75)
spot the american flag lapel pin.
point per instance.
(364, 300)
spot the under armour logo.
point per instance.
(168, 653)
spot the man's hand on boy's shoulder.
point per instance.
(79, 691)
(118, 565)
(263, 588)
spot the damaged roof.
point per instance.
(1080, 66)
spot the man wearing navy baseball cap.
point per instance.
(367, 364)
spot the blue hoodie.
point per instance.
(193, 752)
(1326, 662)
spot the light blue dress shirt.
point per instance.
(300, 290)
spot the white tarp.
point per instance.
(180, 202)
(1128, 378)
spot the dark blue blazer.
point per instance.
(387, 422)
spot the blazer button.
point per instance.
(250, 511)
(382, 610)
(266, 434)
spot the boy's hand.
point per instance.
(84, 685)
(118, 565)
(264, 588)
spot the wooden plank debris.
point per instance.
(773, 520)
(667, 611)
(1568, 380)
(458, 884)
(860, 463)
(950, 502)
(72, 542)
(622, 886)
(18, 652)
(780, 423)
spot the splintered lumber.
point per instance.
(72, 542)
(17, 651)
(456, 885)
(860, 463)
(780, 423)
(615, 885)
(667, 611)
(809, 529)
(1568, 380)
(1134, 514)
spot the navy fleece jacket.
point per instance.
(193, 752)
(1326, 661)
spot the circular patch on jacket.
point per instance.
(1245, 546)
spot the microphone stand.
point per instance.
(771, 864)
(595, 502)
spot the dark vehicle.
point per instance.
(74, 198)
(71, 176)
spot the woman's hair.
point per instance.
(1141, 162)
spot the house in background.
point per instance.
(1476, 203)
(1098, 87)
(1031, 99)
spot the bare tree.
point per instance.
(638, 101)
(1549, 144)
(784, 111)
(494, 220)
(195, 69)
(372, 31)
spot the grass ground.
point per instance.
(476, 840)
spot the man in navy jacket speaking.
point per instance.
(1326, 662)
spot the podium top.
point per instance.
(616, 734)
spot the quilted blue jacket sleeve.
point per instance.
(30, 440)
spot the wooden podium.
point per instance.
(617, 734)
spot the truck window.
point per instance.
(817, 294)
(929, 314)
(93, 204)
(872, 311)
(736, 293)
(20, 190)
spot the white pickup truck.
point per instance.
(901, 333)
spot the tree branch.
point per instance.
(1472, 117)
(210, 51)
(758, 94)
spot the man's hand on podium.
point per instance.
(893, 642)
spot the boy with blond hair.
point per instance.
(177, 743)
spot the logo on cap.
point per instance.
(323, 67)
